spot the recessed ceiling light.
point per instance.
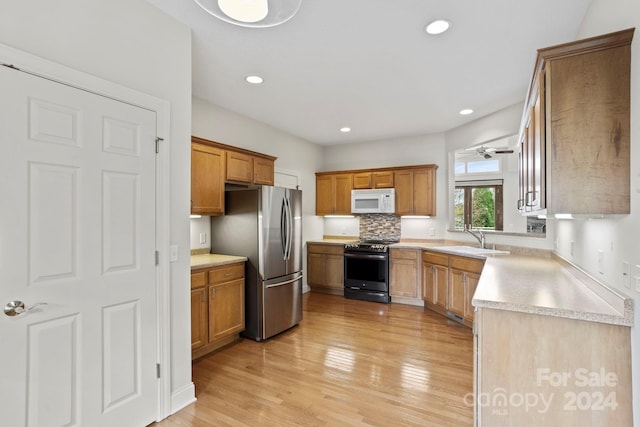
(345, 129)
(438, 26)
(256, 80)
(466, 112)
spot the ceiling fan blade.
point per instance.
(503, 151)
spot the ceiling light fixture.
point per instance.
(466, 112)
(438, 26)
(251, 13)
(256, 80)
(345, 129)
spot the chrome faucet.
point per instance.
(479, 236)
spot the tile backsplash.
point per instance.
(380, 227)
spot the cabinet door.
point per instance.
(343, 185)
(198, 317)
(456, 301)
(362, 180)
(424, 202)
(226, 309)
(428, 282)
(239, 167)
(441, 279)
(404, 192)
(325, 195)
(470, 285)
(382, 179)
(334, 271)
(404, 276)
(263, 171)
(315, 269)
(207, 180)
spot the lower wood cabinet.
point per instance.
(325, 268)
(404, 274)
(448, 284)
(435, 280)
(217, 307)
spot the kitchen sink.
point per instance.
(469, 250)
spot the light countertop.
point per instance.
(536, 281)
(549, 286)
(214, 260)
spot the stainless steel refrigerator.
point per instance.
(265, 225)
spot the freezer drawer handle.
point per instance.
(283, 283)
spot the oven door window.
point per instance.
(365, 269)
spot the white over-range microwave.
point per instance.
(380, 200)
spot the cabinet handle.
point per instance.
(213, 293)
(203, 297)
(227, 274)
(520, 204)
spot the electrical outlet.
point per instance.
(626, 274)
(173, 253)
(203, 238)
(601, 261)
(432, 231)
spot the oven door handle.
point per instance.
(365, 256)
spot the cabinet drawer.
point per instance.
(325, 249)
(226, 273)
(472, 265)
(404, 254)
(435, 258)
(198, 279)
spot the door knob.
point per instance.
(14, 308)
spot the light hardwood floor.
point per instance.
(348, 363)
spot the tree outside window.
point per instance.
(478, 204)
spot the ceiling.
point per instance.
(369, 64)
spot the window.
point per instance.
(477, 166)
(478, 203)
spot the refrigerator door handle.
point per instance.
(275, 285)
(289, 228)
(283, 228)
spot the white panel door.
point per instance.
(77, 232)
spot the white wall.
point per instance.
(407, 151)
(132, 43)
(294, 155)
(617, 236)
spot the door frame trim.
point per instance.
(59, 73)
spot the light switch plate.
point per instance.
(173, 253)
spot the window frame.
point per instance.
(468, 187)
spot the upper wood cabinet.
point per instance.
(382, 179)
(365, 180)
(239, 167)
(263, 171)
(333, 193)
(415, 191)
(575, 133)
(207, 180)
(213, 164)
(249, 169)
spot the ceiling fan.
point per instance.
(487, 153)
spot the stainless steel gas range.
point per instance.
(366, 270)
